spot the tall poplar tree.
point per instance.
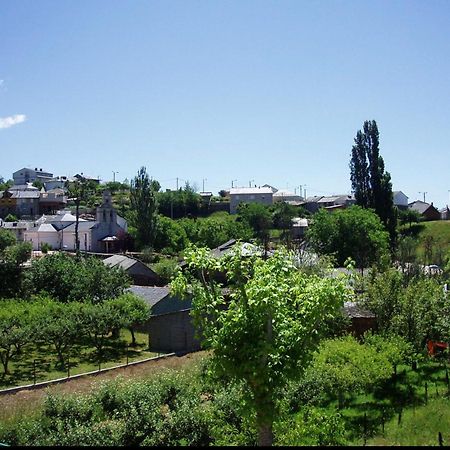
(370, 183)
(144, 207)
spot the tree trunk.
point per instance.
(265, 434)
(4, 357)
(133, 337)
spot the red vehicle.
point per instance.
(435, 347)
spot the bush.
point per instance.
(45, 247)
(166, 269)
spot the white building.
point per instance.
(400, 199)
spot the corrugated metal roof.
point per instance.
(120, 260)
(352, 309)
(151, 294)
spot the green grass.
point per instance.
(422, 397)
(419, 426)
(439, 230)
(82, 358)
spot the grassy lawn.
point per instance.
(440, 231)
(83, 358)
(420, 397)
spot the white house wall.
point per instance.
(83, 236)
(38, 238)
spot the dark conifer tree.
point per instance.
(370, 183)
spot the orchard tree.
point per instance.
(344, 366)
(132, 310)
(14, 330)
(370, 183)
(99, 321)
(264, 334)
(144, 207)
(58, 324)
(354, 233)
(259, 218)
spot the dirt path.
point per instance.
(23, 402)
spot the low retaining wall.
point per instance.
(43, 384)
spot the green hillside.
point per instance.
(438, 233)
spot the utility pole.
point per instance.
(232, 183)
(423, 195)
(250, 183)
(177, 183)
(204, 179)
(114, 176)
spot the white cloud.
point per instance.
(6, 122)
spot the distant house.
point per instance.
(141, 274)
(58, 182)
(426, 210)
(400, 200)
(52, 201)
(312, 203)
(445, 213)
(362, 320)
(18, 228)
(263, 195)
(26, 175)
(170, 327)
(7, 203)
(299, 227)
(26, 199)
(283, 195)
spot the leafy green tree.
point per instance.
(371, 184)
(7, 238)
(282, 215)
(71, 279)
(166, 269)
(38, 184)
(265, 333)
(394, 347)
(99, 322)
(183, 202)
(406, 251)
(11, 270)
(11, 218)
(5, 185)
(14, 331)
(353, 232)
(58, 324)
(144, 207)
(132, 311)
(259, 218)
(408, 216)
(345, 367)
(170, 236)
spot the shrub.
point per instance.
(45, 247)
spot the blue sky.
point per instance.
(262, 91)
